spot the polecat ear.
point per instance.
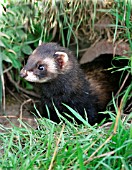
(61, 58)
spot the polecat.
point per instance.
(63, 81)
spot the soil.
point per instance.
(16, 110)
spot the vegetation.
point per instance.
(66, 147)
(25, 24)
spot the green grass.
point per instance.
(66, 146)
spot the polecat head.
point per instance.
(48, 61)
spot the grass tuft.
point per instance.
(63, 147)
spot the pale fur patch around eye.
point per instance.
(51, 66)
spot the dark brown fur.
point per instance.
(89, 87)
(102, 81)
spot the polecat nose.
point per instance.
(23, 73)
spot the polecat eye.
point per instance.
(41, 67)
